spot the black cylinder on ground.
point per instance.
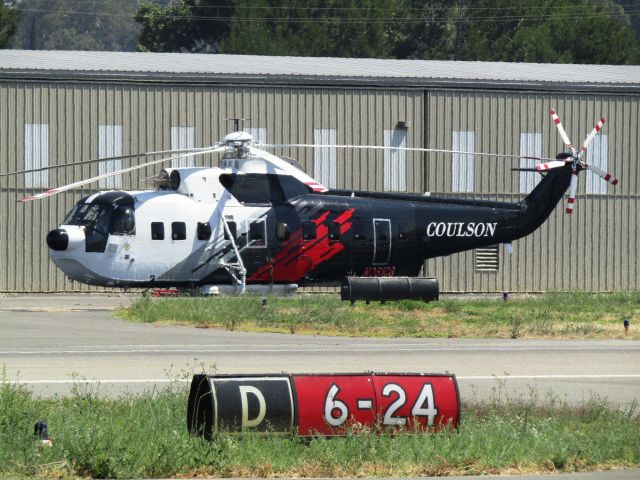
(200, 409)
(389, 288)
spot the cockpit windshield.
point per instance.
(91, 215)
(103, 218)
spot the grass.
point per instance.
(557, 315)
(146, 436)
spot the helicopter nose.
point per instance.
(58, 239)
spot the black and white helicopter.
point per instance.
(258, 219)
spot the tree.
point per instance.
(184, 26)
(545, 31)
(8, 23)
(61, 25)
(334, 28)
(428, 29)
(552, 31)
(632, 9)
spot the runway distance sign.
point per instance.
(322, 404)
(334, 404)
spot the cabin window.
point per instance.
(204, 231)
(233, 228)
(157, 231)
(334, 232)
(258, 233)
(178, 231)
(487, 259)
(123, 222)
(308, 230)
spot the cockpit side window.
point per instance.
(123, 222)
(96, 219)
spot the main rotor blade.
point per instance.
(55, 191)
(573, 187)
(409, 149)
(563, 134)
(607, 177)
(106, 159)
(592, 135)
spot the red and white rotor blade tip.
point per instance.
(607, 177)
(542, 167)
(70, 186)
(563, 134)
(573, 187)
(593, 133)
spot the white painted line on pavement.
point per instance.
(460, 377)
(303, 349)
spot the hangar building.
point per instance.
(59, 107)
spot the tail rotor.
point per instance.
(576, 159)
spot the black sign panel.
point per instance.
(262, 404)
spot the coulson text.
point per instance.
(461, 229)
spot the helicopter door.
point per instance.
(381, 241)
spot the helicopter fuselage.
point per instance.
(192, 233)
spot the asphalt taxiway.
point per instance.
(50, 342)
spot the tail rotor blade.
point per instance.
(543, 167)
(563, 134)
(607, 177)
(573, 187)
(593, 133)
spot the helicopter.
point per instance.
(259, 220)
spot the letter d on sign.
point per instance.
(245, 390)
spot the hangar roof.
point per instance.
(138, 66)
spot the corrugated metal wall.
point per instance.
(595, 249)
